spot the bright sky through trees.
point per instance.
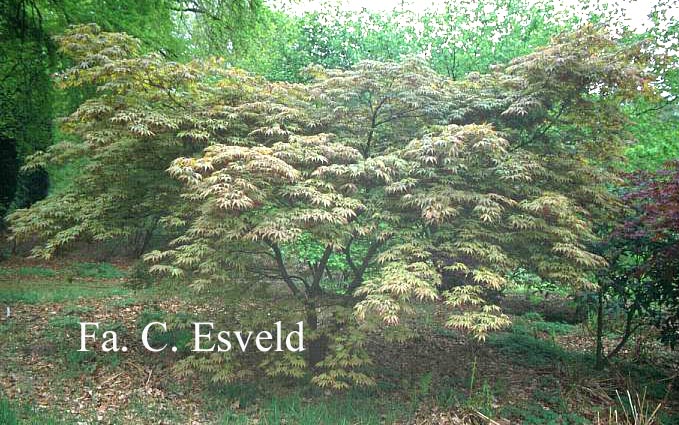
(636, 11)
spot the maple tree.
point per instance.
(362, 190)
(643, 253)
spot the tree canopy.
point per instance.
(363, 189)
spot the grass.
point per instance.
(7, 414)
(355, 407)
(548, 405)
(97, 270)
(13, 414)
(28, 271)
(536, 414)
(39, 291)
(179, 333)
(151, 413)
(646, 378)
(526, 350)
(74, 270)
(535, 324)
(523, 346)
(531, 344)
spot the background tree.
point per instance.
(655, 120)
(150, 111)
(642, 251)
(473, 36)
(26, 56)
(28, 100)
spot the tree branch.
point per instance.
(278, 256)
(373, 122)
(626, 334)
(358, 274)
(399, 115)
(347, 255)
(319, 269)
(197, 11)
(659, 107)
(545, 129)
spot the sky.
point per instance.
(636, 11)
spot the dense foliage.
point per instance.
(25, 102)
(28, 55)
(644, 253)
(360, 190)
(454, 39)
(342, 167)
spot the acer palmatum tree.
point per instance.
(358, 191)
(147, 112)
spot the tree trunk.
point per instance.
(600, 360)
(143, 237)
(9, 172)
(629, 330)
(318, 346)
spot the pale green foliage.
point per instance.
(405, 178)
(480, 322)
(148, 112)
(474, 36)
(340, 369)
(288, 364)
(218, 367)
(390, 293)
